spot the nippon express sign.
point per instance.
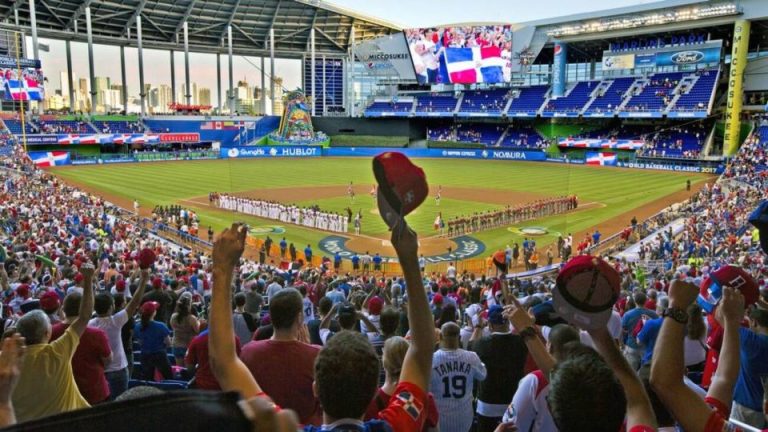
(266, 152)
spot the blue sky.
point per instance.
(407, 13)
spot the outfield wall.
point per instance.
(262, 152)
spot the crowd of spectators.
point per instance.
(401, 353)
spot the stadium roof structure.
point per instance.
(113, 23)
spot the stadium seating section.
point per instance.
(51, 126)
(15, 127)
(659, 94)
(118, 126)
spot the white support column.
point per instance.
(91, 71)
(70, 79)
(351, 73)
(312, 68)
(187, 94)
(322, 87)
(263, 88)
(218, 80)
(33, 22)
(272, 69)
(142, 92)
(231, 73)
(173, 77)
(124, 95)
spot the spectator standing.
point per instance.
(198, 362)
(92, 353)
(153, 337)
(185, 327)
(749, 393)
(504, 355)
(116, 371)
(454, 372)
(47, 384)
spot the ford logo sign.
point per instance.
(687, 57)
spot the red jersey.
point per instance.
(87, 363)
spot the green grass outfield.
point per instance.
(616, 191)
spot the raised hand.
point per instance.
(682, 294)
(404, 240)
(731, 308)
(518, 316)
(87, 269)
(10, 365)
(229, 247)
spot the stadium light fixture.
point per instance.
(649, 19)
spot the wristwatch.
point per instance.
(527, 332)
(676, 314)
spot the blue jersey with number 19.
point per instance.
(453, 376)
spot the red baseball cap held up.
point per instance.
(586, 290)
(146, 258)
(402, 186)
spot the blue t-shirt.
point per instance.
(596, 237)
(648, 336)
(356, 426)
(308, 253)
(337, 258)
(152, 339)
(355, 259)
(754, 364)
(283, 244)
(629, 321)
(377, 260)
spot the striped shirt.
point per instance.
(453, 375)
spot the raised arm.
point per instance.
(525, 327)
(668, 366)
(86, 303)
(417, 365)
(730, 313)
(10, 370)
(136, 299)
(639, 411)
(229, 370)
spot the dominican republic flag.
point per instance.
(23, 90)
(475, 65)
(601, 158)
(49, 159)
(78, 139)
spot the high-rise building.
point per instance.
(64, 86)
(164, 98)
(204, 96)
(100, 84)
(277, 101)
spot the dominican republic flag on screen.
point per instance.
(475, 65)
(14, 90)
(49, 159)
(601, 158)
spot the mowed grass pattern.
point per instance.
(616, 190)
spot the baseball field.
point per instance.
(608, 197)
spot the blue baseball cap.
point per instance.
(495, 315)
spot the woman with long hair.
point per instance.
(153, 337)
(185, 327)
(695, 340)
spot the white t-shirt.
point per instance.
(529, 410)
(113, 326)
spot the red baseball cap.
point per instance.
(585, 292)
(146, 258)
(711, 290)
(22, 290)
(402, 186)
(120, 285)
(149, 308)
(437, 299)
(50, 302)
(375, 304)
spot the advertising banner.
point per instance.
(618, 144)
(688, 57)
(180, 137)
(388, 54)
(671, 167)
(498, 154)
(269, 151)
(736, 87)
(558, 69)
(619, 62)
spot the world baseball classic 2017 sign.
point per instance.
(466, 247)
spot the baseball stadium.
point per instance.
(192, 150)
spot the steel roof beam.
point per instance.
(133, 17)
(184, 18)
(78, 12)
(229, 20)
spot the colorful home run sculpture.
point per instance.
(296, 123)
